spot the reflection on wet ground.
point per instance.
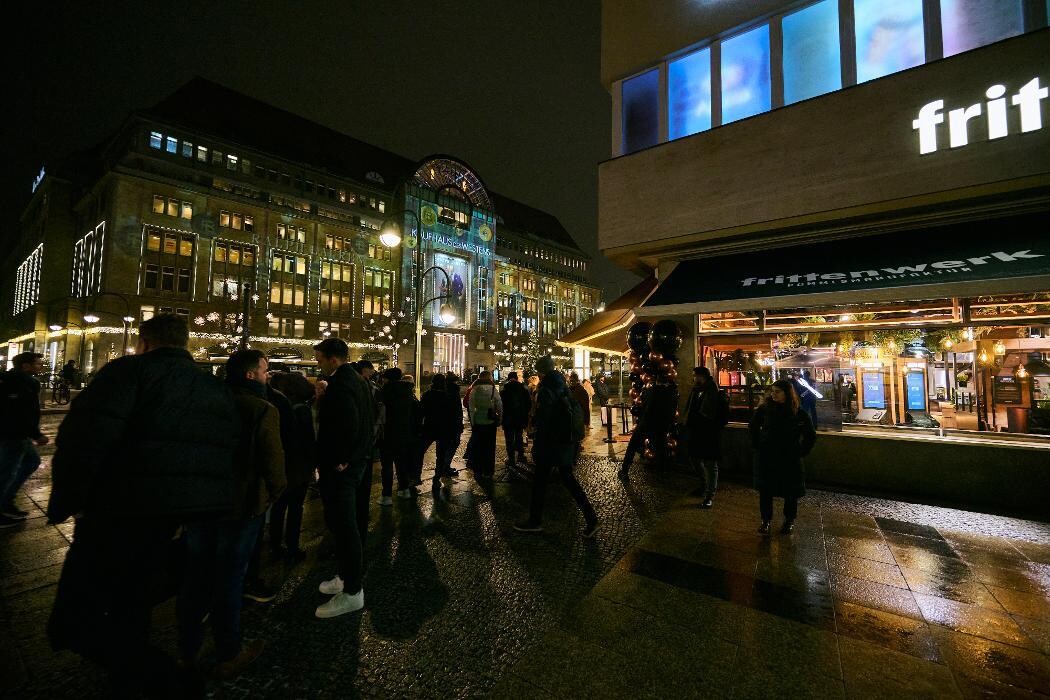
(868, 605)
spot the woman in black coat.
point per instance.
(781, 435)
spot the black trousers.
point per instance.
(635, 445)
(542, 472)
(345, 496)
(515, 444)
(401, 460)
(765, 506)
(286, 517)
(483, 449)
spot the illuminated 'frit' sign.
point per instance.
(1027, 100)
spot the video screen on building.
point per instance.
(874, 391)
(916, 389)
(458, 270)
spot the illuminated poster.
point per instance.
(458, 270)
(874, 391)
(916, 388)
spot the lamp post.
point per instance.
(127, 318)
(92, 317)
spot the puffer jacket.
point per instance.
(152, 436)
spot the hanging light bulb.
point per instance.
(968, 334)
(947, 343)
(1021, 372)
(983, 357)
(999, 348)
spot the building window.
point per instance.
(168, 261)
(483, 298)
(169, 206)
(287, 327)
(890, 37)
(377, 251)
(336, 288)
(187, 149)
(87, 262)
(173, 145)
(231, 162)
(288, 280)
(286, 232)
(689, 94)
(529, 306)
(236, 220)
(216, 158)
(378, 288)
(528, 284)
(745, 74)
(27, 280)
(967, 24)
(811, 52)
(202, 154)
(337, 243)
(156, 139)
(640, 124)
(232, 266)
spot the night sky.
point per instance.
(512, 88)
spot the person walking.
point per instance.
(436, 427)
(601, 390)
(516, 407)
(781, 434)
(147, 446)
(70, 374)
(554, 447)
(400, 445)
(579, 392)
(346, 421)
(19, 432)
(455, 422)
(219, 550)
(286, 516)
(706, 414)
(484, 408)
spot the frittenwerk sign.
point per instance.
(1010, 247)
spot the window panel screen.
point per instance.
(745, 75)
(967, 24)
(689, 94)
(811, 52)
(641, 105)
(889, 37)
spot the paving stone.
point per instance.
(872, 671)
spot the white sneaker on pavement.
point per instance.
(385, 501)
(332, 586)
(341, 604)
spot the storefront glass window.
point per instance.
(967, 24)
(811, 52)
(745, 75)
(689, 94)
(641, 106)
(890, 37)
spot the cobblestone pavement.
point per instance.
(867, 596)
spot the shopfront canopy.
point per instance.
(606, 331)
(1004, 255)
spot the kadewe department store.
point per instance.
(889, 245)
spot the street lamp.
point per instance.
(127, 318)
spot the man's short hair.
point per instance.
(24, 358)
(333, 347)
(242, 362)
(438, 381)
(512, 376)
(165, 331)
(702, 372)
(365, 364)
(394, 374)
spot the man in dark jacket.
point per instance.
(19, 432)
(220, 548)
(705, 417)
(146, 446)
(516, 406)
(554, 447)
(455, 422)
(345, 437)
(437, 428)
(399, 449)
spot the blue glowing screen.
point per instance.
(916, 388)
(874, 391)
(811, 52)
(967, 24)
(745, 74)
(689, 94)
(889, 37)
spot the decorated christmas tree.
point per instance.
(531, 352)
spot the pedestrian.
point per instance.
(554, 448)
(640, 433)
(455, 422)
(286, 516)
(147, 446)
(589, 388)
(70, 373)
(533, 386)
(19, 432)
(781, 434)
(346, 421)
(601, 390)
(706, 413)
(219, 549)
(579, 393)
(368, 372)
(437, 428)
(484, 409)
(516, 406)
(400, 446)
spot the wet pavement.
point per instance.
(866, 598)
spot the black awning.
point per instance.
(1012, 249)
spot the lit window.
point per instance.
(146, 313)
(236, 221)
(231, 162)
(220, 252)
(745, 75)
(187, 149)
(159, 204)
(153, 241)
(169, 243)
(173, 207)
(689, 94)
(202, 154)
(173, 145)
(249, 223)
(811, 52)
(342, 196)
(382, 206)
(156, 140)
(967, 24)
(640, 123)
(187, 210)
(224, 218)
(185, 246)
(889, 37)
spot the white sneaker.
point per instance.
(385, 501)
(332, 586)
(341, 604)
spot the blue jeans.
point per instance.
(217, 559)
(18, 460)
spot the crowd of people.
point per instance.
(167, 468)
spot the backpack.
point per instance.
(569, 420)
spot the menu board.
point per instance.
(1007, 391)
(874, 390)
(915, 386)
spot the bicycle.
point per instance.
(60, 393)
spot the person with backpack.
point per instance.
(484, 409)
(706, 413)
(559, 428)
(516, 406)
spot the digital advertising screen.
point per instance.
(458, 270)
(874, 391)
(915, 386)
